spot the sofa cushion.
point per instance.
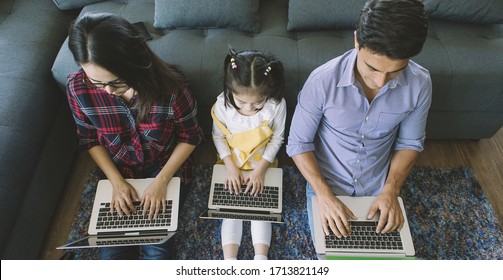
(182, 14)
(323, 14)
(467, 11)
(73, 4)
(5, 8)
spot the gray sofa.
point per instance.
(37, 143)
(463, 53)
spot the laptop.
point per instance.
(266, 206)
(363, 242)
(107, 230)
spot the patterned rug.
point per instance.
(449, 216)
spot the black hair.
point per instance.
(114, 44)
(258, 70)
(394, 28)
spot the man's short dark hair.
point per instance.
(394, 28)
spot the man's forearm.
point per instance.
(400, 166)
(309, 168)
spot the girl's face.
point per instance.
(249, 102)
(102, 78)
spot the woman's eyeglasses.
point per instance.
(115, 84)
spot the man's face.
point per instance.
(374, 70)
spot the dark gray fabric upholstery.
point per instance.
(37, 139)
(182, 14)
(323, 14)
(467, 11)
(73, 4)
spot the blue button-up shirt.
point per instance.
(353, 139)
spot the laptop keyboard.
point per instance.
(243, 217)
(364, 237)
(269, 198)
(107, 220)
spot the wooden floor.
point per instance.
(484, 156)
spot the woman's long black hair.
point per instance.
(114, 44)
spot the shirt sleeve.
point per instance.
(86, 131)
(412, 131)
(278, 132)
(185, 112)
(306, 118)
(219, 139)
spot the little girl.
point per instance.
(252, 105)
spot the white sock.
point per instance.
(230, 259)
(260, 257)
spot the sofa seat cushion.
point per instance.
(466, 11)
(73, 4)
(323, 14)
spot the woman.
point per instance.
(135, 115)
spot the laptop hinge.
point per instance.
(133, 233)
(240, 211)
(366, 255)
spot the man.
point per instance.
(359, 124)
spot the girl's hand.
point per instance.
(154, 199)
(255, 182)
(234, 179)
(123, 196)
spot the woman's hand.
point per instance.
(154, 199)
(123, 196)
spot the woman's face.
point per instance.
(102, 78)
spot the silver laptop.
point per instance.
(107, 229)
(263, 207)
(363, 242)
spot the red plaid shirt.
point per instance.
(136, 148)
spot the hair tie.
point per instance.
(267, 70)
(233, 63)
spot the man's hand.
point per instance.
(391, 218)
(334, 215)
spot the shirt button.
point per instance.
(366, 118)
(358, 161)
(363, 136)
(356, 180)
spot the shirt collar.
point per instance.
(348, 75)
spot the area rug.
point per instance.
(449, 216)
